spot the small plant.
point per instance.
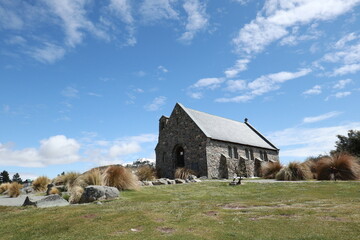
(121, 178)
(14, 189)
(270, 169)
(40, 184)
(4, 187)
(54, 190)
(338, 166)
(183, 173)
(75, 194)
(66, 197)
(67, 179)
(146, 173)
(92, 177)
(293, 172)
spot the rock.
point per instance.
(187, 180)
(53, 200)
(192, 177)
(203, 178)
(161, 181)
(94, 193)
(148, 183)
(141, 183)
(28, 202)
(195, 180)
(27, 190)
(49, 186)
(179, 181)
(171, 181)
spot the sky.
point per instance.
(83, 83)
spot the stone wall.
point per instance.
(180, 131)
(222, 165)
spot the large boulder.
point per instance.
(94, 193)
(171, 181)
(179, 181)
(161, 181)
(53, 200)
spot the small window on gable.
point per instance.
(236, 155)
(230, 152)
(247, 153)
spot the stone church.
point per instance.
(209, 145)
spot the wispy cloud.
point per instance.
(210, 83)
(156, 104)
(315, 90)
(49, 53)
(197, 19)
(321, 117)
(300, 142)
(155, 10)
(70, 92)
(240, 65)
(338, 95)
(342, 83)
(235, 85)
(163, 69)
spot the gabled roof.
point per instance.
(223, 129)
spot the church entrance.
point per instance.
(179, 157)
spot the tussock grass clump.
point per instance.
(146, 173)
(121, 178)
(270, 169)
(183, 173)
(54, 190)
(40, 184)
(67, 179)
(339, 166)
(92, 177)
(310, 164)
(4, 187)
(14, 189)
(75, 194)
(293, 172)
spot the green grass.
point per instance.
(207, 210)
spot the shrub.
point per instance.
(121, 178)
(40, 184)
(340, 166)
(54, 190)
(14, 189)
(183, 173)
(67, 179)
(92, 177)
(310, 164)
(146, 173)
(75, 194)
(4, 187)
(270, 169)
(293, 172)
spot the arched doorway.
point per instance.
(179, 157)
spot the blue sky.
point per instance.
(83, 82)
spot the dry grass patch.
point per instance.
(294, 172)
(183, 173)
(40, 184)
(54, 190)
(121, 178)
(14, 189)
(4, 187)
(92, 177)
(146, 173)
(67, 179)
(75, 194)
(270, 169)
(338, 166)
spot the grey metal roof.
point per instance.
(228, 130)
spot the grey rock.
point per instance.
(148, 183)
(203, 178)
(49, 186)
(53, 200)
(161, 181)
(179, 181)
(171, 181)
(192, 177)
(28, 202)
(196, 180)
(95, 193)
(141, 183)
(27, 190)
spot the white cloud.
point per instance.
(163, 69)
(342, 83)
(70, 92)
(9, 19)
(120, 149)
(123, 9)
(196, 95)
(342, 94)
(305, 142)
(270, 82)
(240, 65)
(197, 19)
(156, 104)
(49, 53)
(316, 90)
(94, 94)
(54, 150)
(277, 15)
(344, 40)
(321, 117)
(154, 10)
(237, 99)
(346, 69)
(235, 85)
(210, 83)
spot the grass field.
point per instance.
(207, 210)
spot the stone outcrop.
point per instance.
(94, 193)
